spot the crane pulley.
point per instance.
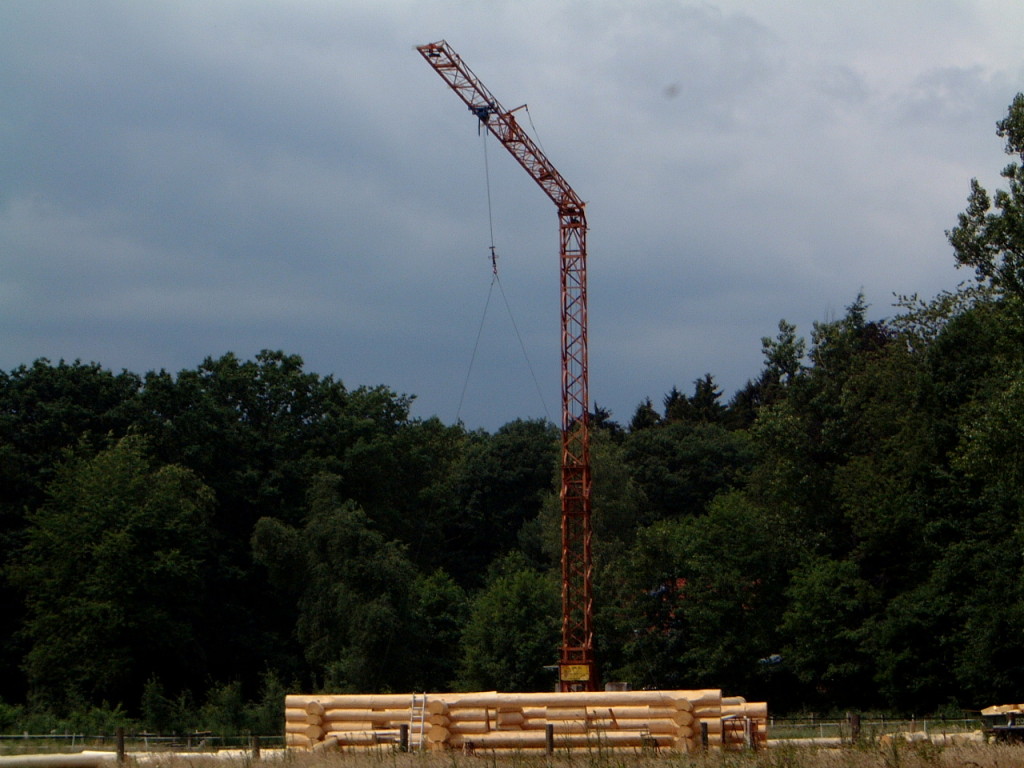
(577, 668)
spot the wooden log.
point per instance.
(470, 726)
(314, 732)
(375, 715)
(707, 713)
(331, 742)
(537, 739)
(569, 700)
(660, 725)
(510, 719)
(685, 744)
(471, 713)
(437, 706)
(700, 697)
(619, 726)
(551, 714)
(314, 708)
(297, 740)
(681, 716)
(756, 709)
(362, 701)
(343, 726)
(366, 738)
(438, 719)
(438, 703)
(654, 725)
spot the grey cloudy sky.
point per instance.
(183, 179)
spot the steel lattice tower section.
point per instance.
(577, 670)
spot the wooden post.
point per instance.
(549, 738)
(120, 745)
(704, 736)
(254, 745)
(403, 737)
(854, 719)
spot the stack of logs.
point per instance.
(677, 720)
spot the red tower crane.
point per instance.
(576, 663)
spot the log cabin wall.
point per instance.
(664, 720)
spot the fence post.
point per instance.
(704, 736)
(549, 738)
(120, 745)
(403, 737)
(254, 745)
(854, 719)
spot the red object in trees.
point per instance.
(577, 669)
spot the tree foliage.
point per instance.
(111, 566)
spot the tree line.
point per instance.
(845, 531)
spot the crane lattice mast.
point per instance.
(576, 663)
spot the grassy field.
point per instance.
(871, 755)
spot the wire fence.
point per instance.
(28, 743)
(795, 728)
(869, 727)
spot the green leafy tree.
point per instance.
(111, 566)
(784, 354)
(988, 237)
(677, 407)
(352, 588)
(440, 611)
(823, 627)
(513, 630)
(706, 401)
(644, 417)
(499, 486)
(46, 408)
(701, 597)
(617, 508)
(680, 467)
(258, 432)
(601, 421)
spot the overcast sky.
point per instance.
(183, 179)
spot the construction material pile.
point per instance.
(675, 720)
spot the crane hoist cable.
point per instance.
(496, 280)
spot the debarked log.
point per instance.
(681, 716)
(297, 740)
(533, 739)
(341, 726)
(579, 699)
(363, 701)
(757, 710)
(609, 726)
(367, 715)
(365, 738)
